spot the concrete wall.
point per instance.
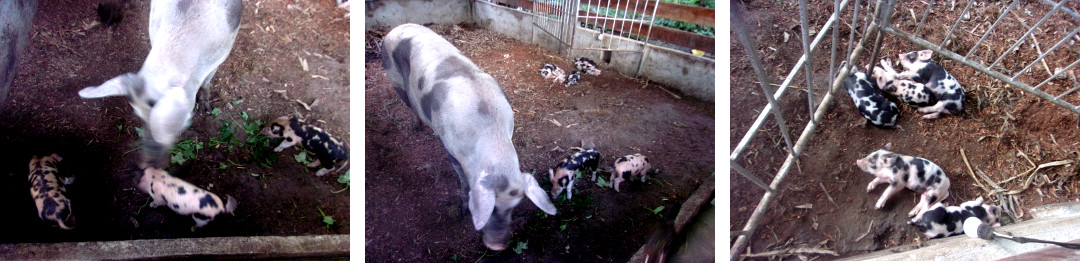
(689, 74)
(393, 13)
(692, 75)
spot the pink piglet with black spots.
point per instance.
(629, 166)
(49, 193)
(184, 198)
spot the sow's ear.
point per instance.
(481, 201)
(117, 86)
(537, 195)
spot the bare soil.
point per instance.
(412, 194)
(98, 141)
(999, 123)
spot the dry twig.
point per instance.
(868, 228)
(827, 194)
(962, 154)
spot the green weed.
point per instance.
(328, 220)
(656, 211)
(521, 247)
(345, 180)
(185, 151)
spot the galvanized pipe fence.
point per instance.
(616, 21)
(877, 24)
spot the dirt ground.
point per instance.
(98, 141)
(1000, 125)
(413, 193)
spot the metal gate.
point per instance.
(617, 21)
(878, 22)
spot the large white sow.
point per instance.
(470, 114)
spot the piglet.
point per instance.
(906, 90)
(563, 178)
(553, 72)
(328, 149)
(572, 79)
(587, 65)
(947, 91)
(942, 221)
(899, 171)
(184, 198)
(629, 166)
(873, 106)
(48, 193)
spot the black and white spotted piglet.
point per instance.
(553, 72)
(48, 193)
(900, 171)
(184, 198)
(629, 166)
(328, 150)
(587, 65)
(563, 177)
(942, 221)
(572, 79)
(873, 106)
(906, 90)
(949, 93)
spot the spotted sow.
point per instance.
(189, 39)
(469, 113)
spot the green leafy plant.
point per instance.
(521, 247)
(185, 151)
(328, 220)
(345, 180)
(303, 158)
(256, 143)
(656, 211)
(600, 181)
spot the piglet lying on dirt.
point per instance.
(469, 113)
(947, 91)
(563, 178)
(572, 79)
(942, 221)
(48, 193)
(873, 106)
(629, 166)
(587, 65)
(899, 171)
(328, 149)
(906, 90)
(184, 198)
(554, 73)
(189, 40)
